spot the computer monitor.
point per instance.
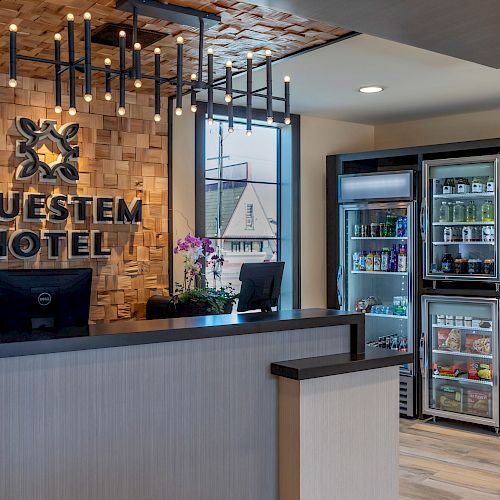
(260, 286)
(41, 299)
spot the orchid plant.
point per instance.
(198, 253)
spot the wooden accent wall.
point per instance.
(119, 156)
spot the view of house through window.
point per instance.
(241, 197)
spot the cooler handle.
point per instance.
(340, 297)
(422, 219)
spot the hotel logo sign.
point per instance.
(65, 164)
(65, 218)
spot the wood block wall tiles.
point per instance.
(118, 157)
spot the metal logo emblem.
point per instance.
(65, 166)
(44, 299)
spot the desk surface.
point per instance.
(171, 330)
(325, 366)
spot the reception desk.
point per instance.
(180, 409)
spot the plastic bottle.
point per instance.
(369, 261)
(487, 211)
(470, 212)
(384, 259)
(355, 261)
(393, 260)
(376, 261)
(459, 212)
(444, 212)
(362, 261)
(402, 260)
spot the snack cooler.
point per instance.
(376, 274)
(459, 358)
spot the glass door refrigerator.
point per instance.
(459, 349)
(376, 275)
(460, 358)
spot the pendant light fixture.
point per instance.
(197, 83)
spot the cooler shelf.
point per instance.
(463, 380)
(464, 354)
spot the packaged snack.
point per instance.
(477, 403)
(449, 398)
(477, 344)
(449, 339)
(478, 371)
(452, 371)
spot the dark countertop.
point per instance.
(178, 329)
(325, 366)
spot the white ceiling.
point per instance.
(418, 83)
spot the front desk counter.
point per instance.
(178, 409)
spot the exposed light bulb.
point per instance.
(137, 46)
(107, 61)
(122, 34)
(194, 108)
(249, 133)
(108, 96)
(157, 117)
(230, 130)
(286, 79)
(178, 111)
(72, 111)
(13, 27)
(194, 77)
(228, 98)
(371, 89)
(287, 121)
(87, 16)
(210, 51)
(268, 53)
(70, 17)
(210, 121)
(138, 84)
(121, 110)
(87, 97)
(180, 40)
(229, 64)
(269, 120)
(157, 50)
(249, 55)
(57, 37)
(12, 82)
(58, 110)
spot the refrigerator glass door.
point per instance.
(461, 358)
(461, 205)
(376, 274)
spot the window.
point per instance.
(241, 195)
(248, 194)
(249, 216)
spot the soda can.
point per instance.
(448, 234)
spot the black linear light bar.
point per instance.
(158, 10)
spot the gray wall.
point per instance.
(179, 421)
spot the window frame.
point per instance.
(289, 138)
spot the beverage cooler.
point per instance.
(459, 219)
(460, 358)
(376, 274)
(459, 350)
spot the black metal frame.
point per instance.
(159, 10)
(240, 113)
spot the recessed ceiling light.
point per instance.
(371, 89)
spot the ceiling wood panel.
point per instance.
(466, 29)
(244, 27)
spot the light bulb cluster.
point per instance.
(196, 83)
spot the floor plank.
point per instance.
(441, 462)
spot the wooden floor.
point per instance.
(442, 462)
